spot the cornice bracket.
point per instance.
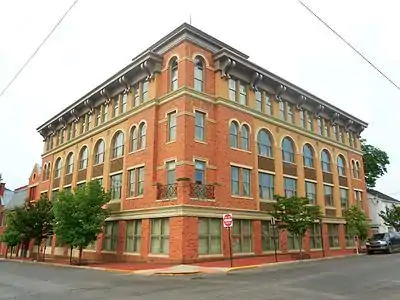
(89, 105)
(301, 101)
(51, 130)
(255, 79)
(278, 95)
(145, 67)
(122, 81)
(360, 131)
(335, 118)
(104, 94)
(319, 110)
(226, 69)
(349, 123)
(74, 115)
(62, 121)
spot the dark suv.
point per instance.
(386, 242)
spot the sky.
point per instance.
(100, 37)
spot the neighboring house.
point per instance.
(8, 194)
(378, 202)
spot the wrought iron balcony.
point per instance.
(202, 191)
(166, 191)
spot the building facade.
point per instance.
(378, 202)
(191, 129)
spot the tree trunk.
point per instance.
(70, 256)
(44, 251)
(6, 251)
(11, 251)
(80, 254)
(300, 239)
(38, 251)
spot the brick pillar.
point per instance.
(257, 240)
(342, 236)
(121, 237)
(145, 243)
(325, 240)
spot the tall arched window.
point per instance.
(308, 156)
(288, 154)
(48, 171)
(83, 158)
(325, 161)
(198, 74)
(142, 135)
(173, 65)
(264, 143)
(57, 168)
(44, 174)
(134, 139)
(118, 145)
(234, 134)
(70, 163)
(245, 137)
(357, 170)
(99, 152)
(341, 166)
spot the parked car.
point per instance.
(383, 242)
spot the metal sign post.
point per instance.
(273, 223)
(227, 221)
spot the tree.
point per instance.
(80, 216)
(356, 222)
(296, 215)
(11, 236)
(375, 163)
(391, 217)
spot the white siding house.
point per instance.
(378, 202)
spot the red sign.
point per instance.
(227, 220)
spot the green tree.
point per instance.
(11, 236)
(296, 215)
(356, 223)
(391, 217)
(80, 216)
(375, 163)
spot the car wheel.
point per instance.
(369, 252)
(389, 249)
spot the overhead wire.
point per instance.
(31, 57)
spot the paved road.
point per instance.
(365, 277)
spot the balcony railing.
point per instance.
(202, 191)
(167, 191)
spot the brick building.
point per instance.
(191, 129)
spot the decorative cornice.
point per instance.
(50, 129)
(105, 94)
(122, 81)
(335, 118)
(227, 67)
(279, 91)
(255, 79)
(302, 99)
(349, 123)
(63, 123)
(145, 67)
(318, 111)
(74, 115)
(89, 104)
(362, 128)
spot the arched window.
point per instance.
(198, 74)
(44, 174)
(325, 161)
(341, 166)
(173, 65)
(308, 156)
(134, 139)
(48, 171)
(357, 170)
(70, 164)
(234, 134)
(142, 136)
(245, 137)
(118, 145)
(99, 152)
(57, 169)
(83, 158)
(264, 143)
(288, 154)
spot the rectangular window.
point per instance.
(105, 113)
(302, 119)
(240, 181)
(159, 236)
(199, 172)
(136, 182)
(315, 237)
(115, 106)
(133, 236)
(98, 116)
(124, 102)
(145, 91)
(326, 129)
(309, 121)
(290, 113)
(328, 195)
(115, 186)
(341, 137)
(242, 94)
(290, 186)
(335, 132)
(171, 126)
(246, 182)
(311, 192)
(358, 198)
(266, 186)
(235, 180)
(320, 129)
(200, 126)
(136, 95)
(269, 237)
(292, 241)
(258, 96)
(282, 110)
(268, 104)
(344, 198)
(348, 237)
(232, 89)
(110, 237)
(170, 166)
(88, 121)
(242, 236)
(62, 133)
(333, 235)
(209, 236)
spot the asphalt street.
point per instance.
(363, 277)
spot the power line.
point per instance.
(350, 45)
(38, 49)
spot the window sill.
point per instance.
(83, 169)
(316, 249)
(330, 207)
(335, 248)
(201, 199)
(210, 255)
(272, 252)
(114, 201)
(170, 142)
(243, 254)
(131, 253)
(165, 200)
(89, 250)
(115, 158)
(98, 164)
(242, 197)
(136, 151)
(134, 197)
(265, 156)
(201, 142)
(241, 150)
(161, 255)
(295, 250)
(108, 252)
(268, 200)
